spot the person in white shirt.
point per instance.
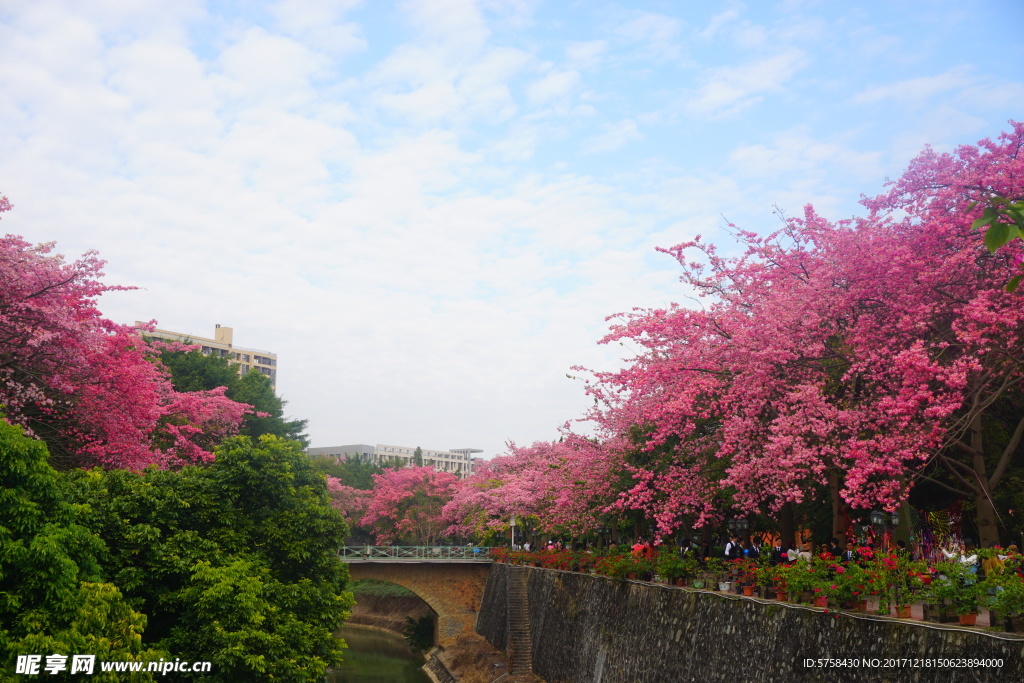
(732, 548)
(958, 553)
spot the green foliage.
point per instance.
(958, 586)
(196, 371)
(383, 588)
(256, 390)
(235, 563)
(351, 471)
(672, 566)
(103, 625)
(419, 633)
(417, 457)
(51, 600)
(1004, 219)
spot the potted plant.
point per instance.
(746, 575)
(959, 587)
(1008, 600)
(842, 584)
(714, 573)
(683, 569)
(770, 580)
(899, 577)
(801, 580)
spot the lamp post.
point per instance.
(739, 526)
(878, 521)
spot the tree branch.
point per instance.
(1004, 459)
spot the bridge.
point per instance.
(450, 579)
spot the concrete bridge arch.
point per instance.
(453, 590)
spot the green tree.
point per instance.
(235, 563)
(417, 457)
(196, 371)
(351, 471)
(255, 389)
(52, 599)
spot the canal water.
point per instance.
(374, 656)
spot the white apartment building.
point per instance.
(264, 362)
(458, 461)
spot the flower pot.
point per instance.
(1015, 624)
(680, 582)
(748, 590)
(860, 606)
(968, 619)
(821, 601)
(903, 611)
(725, 586)
(698, 583)
(780, 595)
(631, 575)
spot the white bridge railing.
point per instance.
(416, 553)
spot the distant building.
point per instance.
(457, 460)
(222, 345)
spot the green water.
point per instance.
(374, 656)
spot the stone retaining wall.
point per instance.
(438, 672)
(594, 629)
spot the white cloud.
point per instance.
(656, 34)
(730, 89)
(615, 136)
(797, 151)
(266, 67)
(454, 27)
(554, 85)
(916, 91)
(718, 21)
(318, 23)
(586, 55)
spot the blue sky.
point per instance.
(429, 208)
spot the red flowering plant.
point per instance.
(746, 572)
(554, 559)
(621, 566)
(770, 575)
(845, 584)
(898, 575)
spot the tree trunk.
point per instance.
(705, 537)
(787, 526)
(838, 509)
(988, 532)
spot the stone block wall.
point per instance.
(594, 629)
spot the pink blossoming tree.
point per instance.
(562, 487)
(405, 505)
(847, 354)
(91, 389)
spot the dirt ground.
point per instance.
(474, 660)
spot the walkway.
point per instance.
(416, 553)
